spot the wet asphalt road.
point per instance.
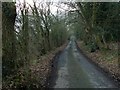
(75, 71)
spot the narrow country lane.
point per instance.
(75, 71)
(40, 42)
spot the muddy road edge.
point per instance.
(52, 76)
(104, 70)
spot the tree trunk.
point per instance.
(8, 37)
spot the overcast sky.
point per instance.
(53, 7)
(63, 7)
(68, 0)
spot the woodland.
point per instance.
(30, 33)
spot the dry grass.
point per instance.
(106, 59)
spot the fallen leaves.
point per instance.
(108, 60)
(35, 75)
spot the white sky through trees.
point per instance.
(53, 6)
(64, 7)
(66, 0)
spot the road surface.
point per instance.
(75, 71)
